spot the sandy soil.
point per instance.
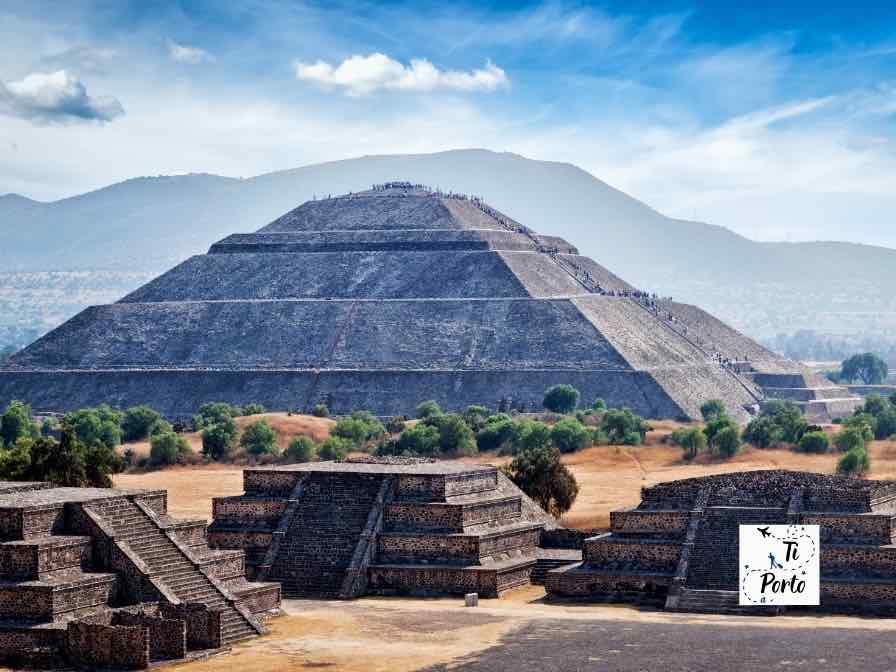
(404, 634)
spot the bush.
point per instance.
(855, 462)
(787, 417)
(496, 434)
(259, 438)
(529, 435)
(358, 428)
(569, 435)
(880, 415)
(320, 411)
(137, 422)
(168, 448)
(862, 423)
(763, 432)
(254, 409)
(561, 398)
(599, 405)
(219, 439)
(301, 449)
(101, 424)
(539, 473)
(334, 448)
(455, 435)
(421, 439)
(16, 423)
(868, 367)
(814, 442)
(727, 441)
(849, 438)
(623, 426)
(214, 413)
(67, 462)
(396, 425)
(476, 417)
(716, 425)
(691, 439)
(712, 409)
(427, 409)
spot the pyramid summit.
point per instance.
(383, 298)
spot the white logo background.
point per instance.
(779, 565)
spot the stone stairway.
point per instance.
(320, 541)
(548, 559)
(171, 565)
(714, 561)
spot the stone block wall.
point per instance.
(99, 645)
(646, 555)
(670, 524)
(856, 529)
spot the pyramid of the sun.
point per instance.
(381, 299)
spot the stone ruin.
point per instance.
(679, 547)
(102, 578)
(381, 299)
(385, 526)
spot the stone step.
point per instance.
(718, 602)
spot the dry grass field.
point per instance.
(610, 477)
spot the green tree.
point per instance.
(691, 439)
(867, 367)
(814, 442)
(855, 462)
(168, 448)
(320, 411)
(427, 409)
(599, 405)
(259, 438)
(214, 413)
(254, 409)
(621, 426)
(334, 448)
(455, 435)
(863, 423)
(763, 432)
(396, 425)
(569, 435)
(476, 417)
(101, 424)
(497, 434)
(849, 438)
(301, 449)
(539, 473)
(727, 441)
(16, 423)
(530, 434)
(358, 428)
(15, 461)
(561, 398)
(219, 439)
(421, 439)
(137, 422)
(880, 414)
(712, 409)
(788, 417)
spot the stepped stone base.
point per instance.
(102, 578)
(679, 547)
(382, 526)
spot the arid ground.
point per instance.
(520, 631)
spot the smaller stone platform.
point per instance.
(382, 526)
(103, 578)
(679, 547)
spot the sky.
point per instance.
(777, 120)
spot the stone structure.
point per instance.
(381, 299)
(679, 547)
(382, 526)
(105, 578)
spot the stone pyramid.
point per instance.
(381, 299)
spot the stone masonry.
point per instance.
(679, 546)
(105, 578)
(381, 299)
(382, 526)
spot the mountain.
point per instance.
(146, 224)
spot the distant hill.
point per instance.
(147, 224)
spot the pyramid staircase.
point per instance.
(104, 578)
(340, 530)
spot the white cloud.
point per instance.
(55, 97)
(189, 55)
(359, 75)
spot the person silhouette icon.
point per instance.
(774, 564)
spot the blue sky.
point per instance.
(777, 120)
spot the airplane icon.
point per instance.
(764, 531)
